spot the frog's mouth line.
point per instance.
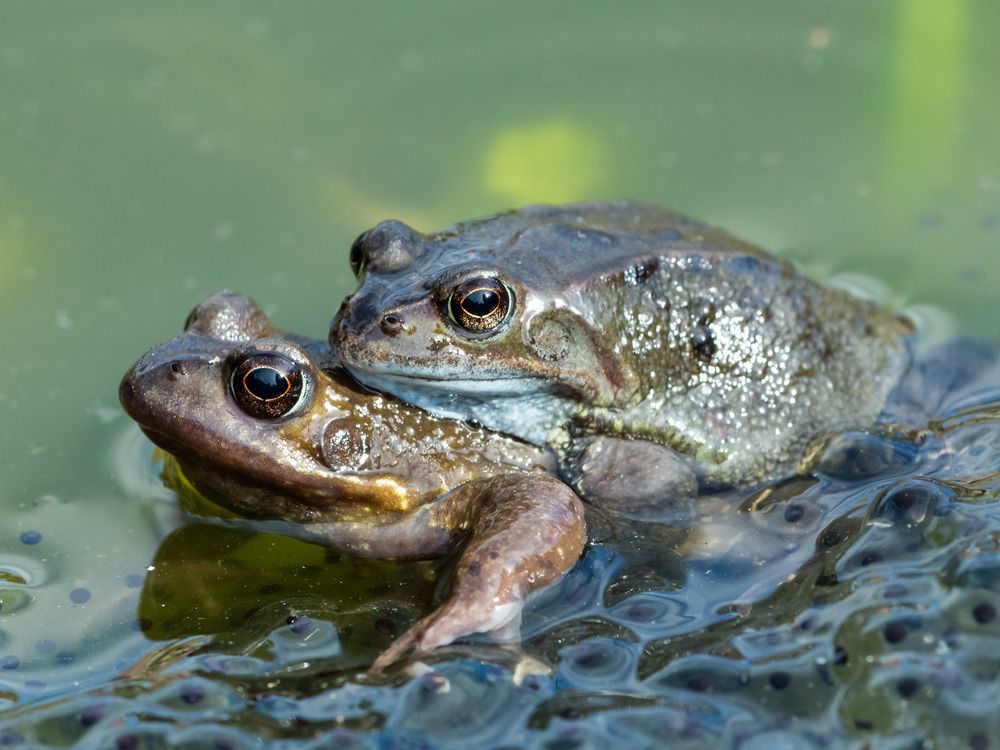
(170, 443)
(321, 493)
(485, 387)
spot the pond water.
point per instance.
(153, 155)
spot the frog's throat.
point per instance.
(519, 406)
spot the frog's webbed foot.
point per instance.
(458, 616)
(631, 477)
(525, 533)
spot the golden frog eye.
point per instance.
(266, 385)
(359, 255)
(479, 305)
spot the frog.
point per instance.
(266, 425)
(657, 356)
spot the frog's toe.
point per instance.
(450, 622)
(501, 619)
(399, 648)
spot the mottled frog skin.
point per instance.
(263, 424)
(655, 354)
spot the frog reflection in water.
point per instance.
(259, 426)
(654, 354)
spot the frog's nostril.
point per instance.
(392, 324)
(177, 368)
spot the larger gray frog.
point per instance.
(653, 353)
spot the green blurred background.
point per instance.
(151, 154)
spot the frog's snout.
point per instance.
(157, 376)
(127, 391)
(356, 319)
(134, 394)
(343, 312)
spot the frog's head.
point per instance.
(491, 308)
(258, 424)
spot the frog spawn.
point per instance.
(865, 625)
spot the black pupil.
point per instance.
(266, 383)
(481, 302)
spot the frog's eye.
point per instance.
(359, 255)
(266, 386)
(479, 305)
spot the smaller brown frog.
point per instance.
(266, 426)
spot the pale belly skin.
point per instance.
(355, 470)
(655, 355)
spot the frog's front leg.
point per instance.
(631, 477)
(525, 532)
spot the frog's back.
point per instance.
(558, 247)
(705, 342)
(750, 379)
(723, 351)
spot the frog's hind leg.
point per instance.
(525, 533)
(630, 477)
